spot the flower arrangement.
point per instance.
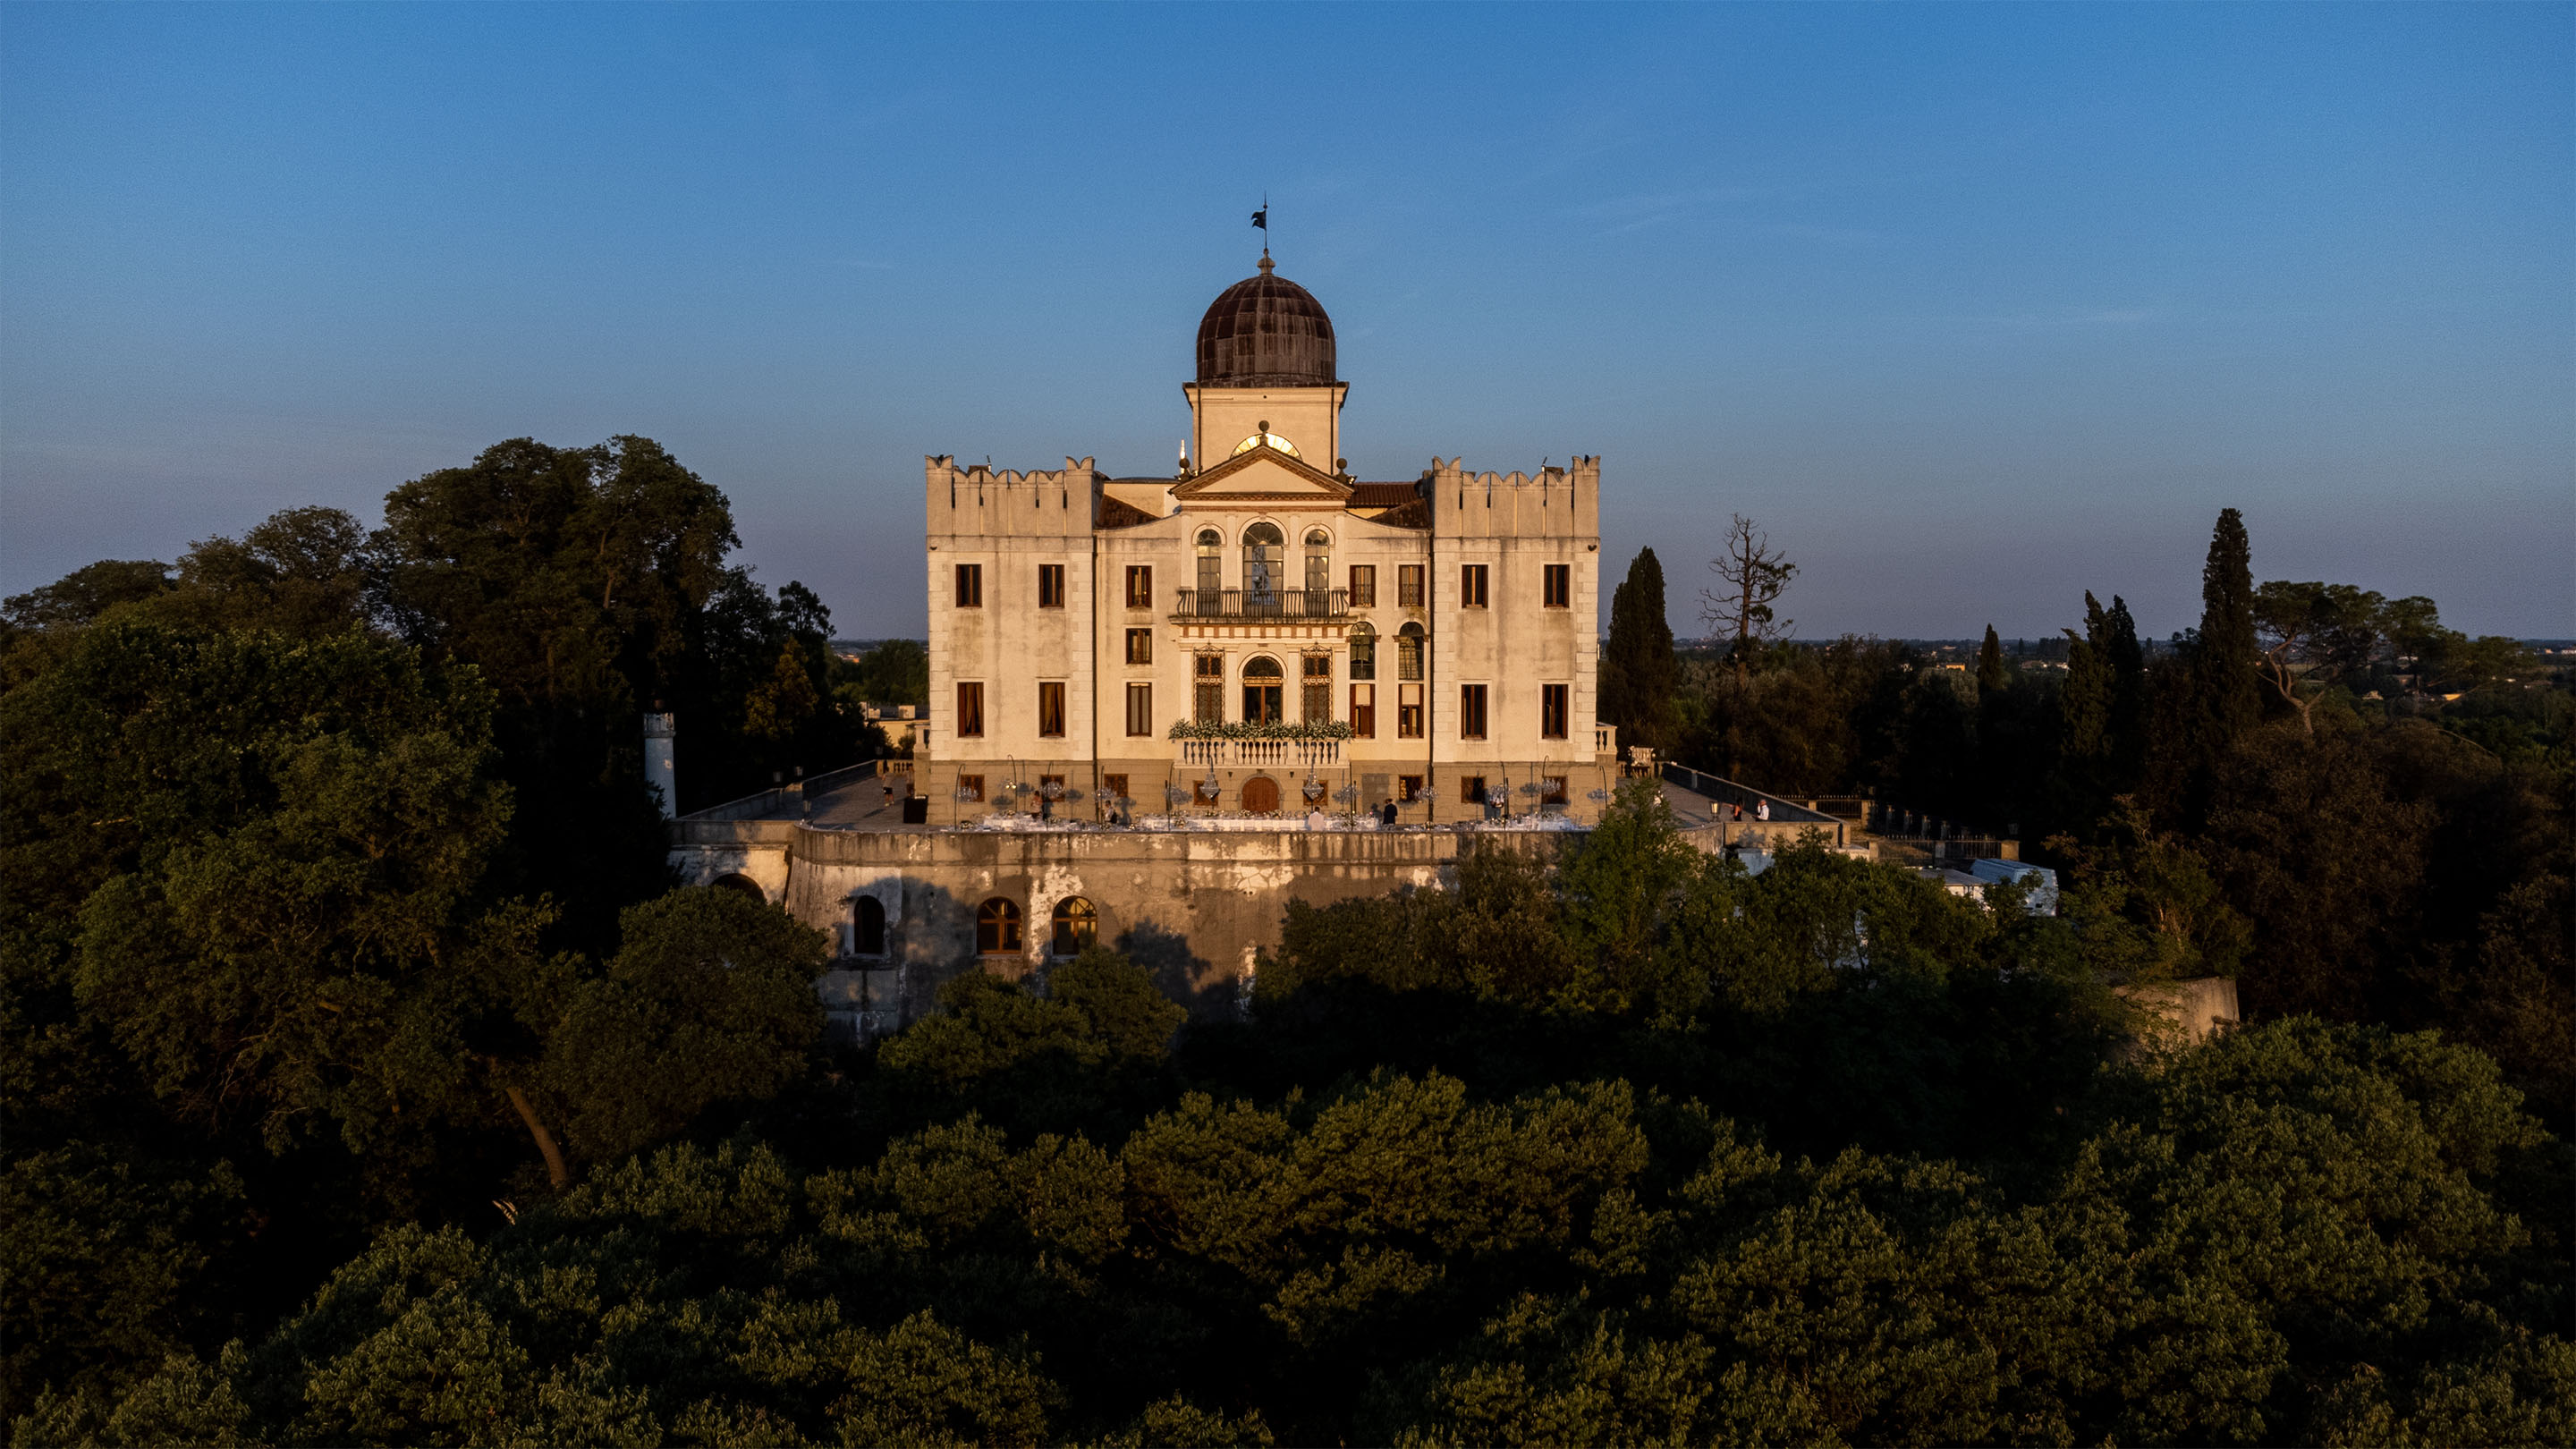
(1183, 729)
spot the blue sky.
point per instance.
(1972, 308)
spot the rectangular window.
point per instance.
(1471, 586)
(1408, 712)
(970, 586)
(1551, 790)
(1050, 586)
(1113, 787)
(1140, 646)
(1559, 585)
(1051, 709)
(1363, 586)
(1552, 710)
(1055, 782)
(1408, 788)
(1471, 711)
(970, 708)
(970, 789)
(1315, 692)
(1140, 586)
(1471, 791)
(1140, 710)
(1408, 586)
(1207, 689)
(1364, 711)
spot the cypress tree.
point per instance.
(2214, 698)
(1638, 674)
(1990, 664)
(2117, 644)
(2230, 696)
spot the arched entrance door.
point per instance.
(1261, 795)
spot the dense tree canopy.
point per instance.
(339, 1113)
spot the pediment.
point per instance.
(1264, 474)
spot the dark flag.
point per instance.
(1261, 218)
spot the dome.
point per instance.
(1265, 331)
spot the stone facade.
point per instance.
(908, 908)
(1431, 636)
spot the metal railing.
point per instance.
(1262, 604)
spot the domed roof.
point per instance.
(1265, 331)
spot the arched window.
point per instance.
(1264, 551)
(1319, 569)
(867, 927)
(1363, 652)
(1211, 567)
(997, 928)
(1408, 652)
(1077, 926)
(1209, 598)
(1262, 683)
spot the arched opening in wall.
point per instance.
(1261, 795)
(1211, 571)
(1263, 684)
(1319, 570)
(742, 883)
(1077, 927)
(1408, 652)
(1265, 551)
(997, 928)
(867, 927)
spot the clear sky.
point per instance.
(1971, 308)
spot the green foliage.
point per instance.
(1990, 663)
(1637, 669)
(102, 1265)
(896, 671)
(709, 999)
(1088, 1054)
(2300, 1234)
(257, 862)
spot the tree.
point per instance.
(578, 581)
(1755, 575)
(896, 671)
(2216, 696)
(710, 998)
(2315, 635)
(1990, 664)
(257, 863)
(2115, 642)
(81, 596)
(301, 571)
(1638, 672)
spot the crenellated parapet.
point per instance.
(980, 499)
(1554, 502)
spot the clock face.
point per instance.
(1267, 440)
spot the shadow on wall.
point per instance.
(1180, 973)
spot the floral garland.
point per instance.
(1183, 729)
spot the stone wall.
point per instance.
(1193, 907)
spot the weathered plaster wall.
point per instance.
(1192, 907)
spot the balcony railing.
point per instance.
(1263, 604)
(1261, 752)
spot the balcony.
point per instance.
(1285, 604)
(1261, 752)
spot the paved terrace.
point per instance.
(861, 798)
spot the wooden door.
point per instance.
(1261, 795)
